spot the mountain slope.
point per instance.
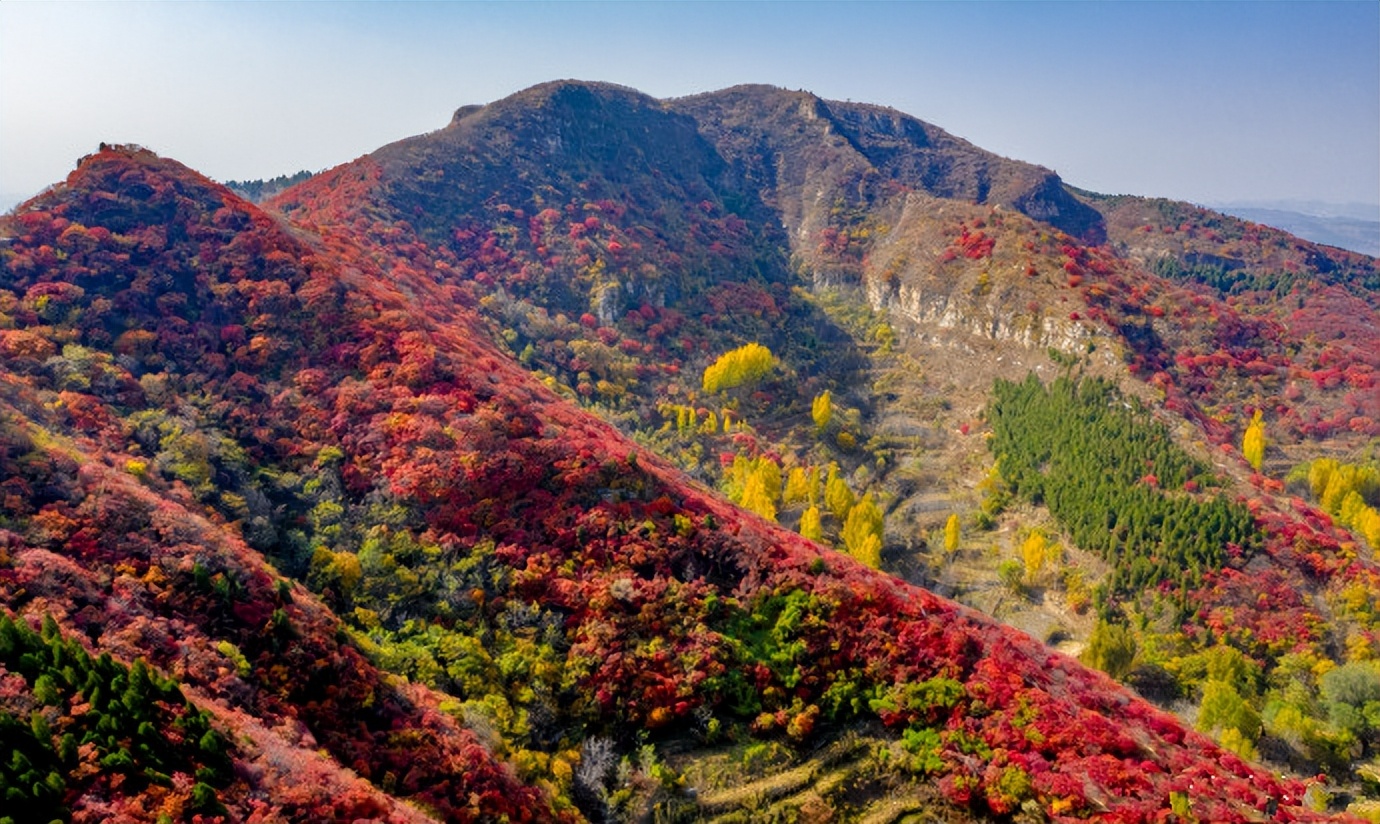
(328, 390)
(118, 451)
(911, 278)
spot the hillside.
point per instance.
(402, 483)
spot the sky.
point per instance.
(1203, 101)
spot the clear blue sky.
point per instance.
(1199, 101)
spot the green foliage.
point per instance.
(931, 698)
(1011, 575)
(923, 745)
(1224, 709)
(1111, 648)
(1351, 695)
(128, 715)
(1087, 453)
(743, 366)
(772, 634)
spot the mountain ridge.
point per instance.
(340, 385)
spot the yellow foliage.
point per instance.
(869, 552)
(755, 485)
(1350, 507)
(1233, 739)
(797, 489)
(1253, 442)
(1367, 523)
(1319, 474)
(744, 365)
(1335, 493)
(951, 534)
(810, 526)
(1359, 647)
(1356, 598)
(346, 569)
(756, 497)
(837, 496)
(1345, 490)
(822, 410)
(770, 473)
(862, 532)
(1034, 552)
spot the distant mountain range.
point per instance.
(1346, 226)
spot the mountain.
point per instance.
(1359, 232)
(393, 494)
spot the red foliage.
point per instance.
(356, 335)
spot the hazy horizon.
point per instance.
(1206, 102)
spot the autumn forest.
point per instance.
(739, 457)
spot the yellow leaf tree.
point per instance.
(757, 497)
(837, 496)
(951, 534)
(810, 526)
(797, 489)
(862, 532)
(1034, 552)
(1253, 442)
(822, 410)
(744, 365)
(1319, 474)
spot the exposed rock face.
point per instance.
(989, 319)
